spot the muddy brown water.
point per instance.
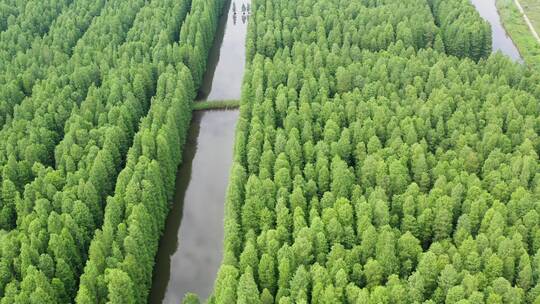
(191, 246)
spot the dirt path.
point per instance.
(535, 34)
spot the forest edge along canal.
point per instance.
(191, 246)
(190, 249)
(501, 40)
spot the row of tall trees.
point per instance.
(375, 25)
(21, 71)
(405, 175)
(59, 210)
(365, 24)
(9, 11)
(464, 33)
(38, 122)
(32, 22)
(122, 253)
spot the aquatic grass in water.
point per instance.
(216, 105)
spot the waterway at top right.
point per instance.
(521, 21)
(501, 40)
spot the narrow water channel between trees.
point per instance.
(501, 41)
(190, 249)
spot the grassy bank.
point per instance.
(216, 104)
(532, 9)
(519, 31)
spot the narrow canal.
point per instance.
(191, 247)
(501, 41)
(226, 62)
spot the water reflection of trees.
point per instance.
(245, 10)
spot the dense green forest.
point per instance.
(24, 21)
(371, 170)
(22, 68)
(382, 154)
(68, 141)
(121, 257)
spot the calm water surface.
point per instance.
(191, 247)
(223, 79)
(501, 41)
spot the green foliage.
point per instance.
(33, 58)
(59, 210)
(216, 104)
(464, 32)
(135, 215)
(191, 298)
(375, 162)
(410, 180)
(24, 21)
